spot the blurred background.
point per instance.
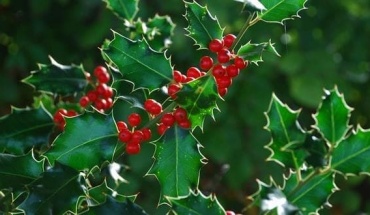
(328, 46)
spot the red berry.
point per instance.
(99, 70)
(230, 213)
(148, 104)
(137, 136)
(222, 91)
(100, 104)
(232, 70)
(193, 72)
(180, 114)
(59, 117)
(168, 119)
(152, 107)
(188, 79)
(183, 78)
(229, 40)
(101, 89)
(108, 92)
(162, 128)
(240, 63)
(92, 95)
(223, 56)
(104, 77)
(223, 82)
(71, 113)
(132, 148)
(215, 45)
(125, 135)
(147, 134)
(172, 90)
(84, 101)
(134, 119)
(184, 124)
(109, 103)
(218, 71)
(202, 74)
(206, 63)
(177, 76)
(121, 125)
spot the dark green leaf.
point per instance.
(17, 171)
(177, 162)
(23, 129)
(287, 136)
(138, 63)
(196, 204)
(98, 194)
(253, 52)
(58, 79)
(60, 189)
(280, 10)
(202, 26)
(113, 207)
(88, 141)
(352, 155)
(199, 99)
(317, 151)
(332, 117)
(160, 30)
(124, 9)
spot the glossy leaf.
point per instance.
(253, 52)
(196, 204)
(87, 141)
(124, 9)
(253, 5)
(199, 99)
(280, 10)
(286, 135)
(24, 128)
(160, 30)
(17, 171)
(59, 79)
(60, 189)
(136, 60)
(352, 155)
(332, 117)
(114, 207)
(317, 151)
(202, 26)
(177, 162)
(99, 194)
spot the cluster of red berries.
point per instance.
(191, 74)
(134, 137)
(59, 115)
(101, 96)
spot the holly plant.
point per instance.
(59, 155)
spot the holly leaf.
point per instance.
(160, 30)
(99, 194)
(60, 189)
(124, 9)
(138, 63)
(253, 52)
(253, 5)
(87, 141)
(280, 10)
(196, 203)
(23, 129)
(286, 135)
(202, 26)
(58, 79)
(332, 117)
(17, 171)
(199, 98)
(177, 162)
(317, 151)
(114, 207)
(351, 156)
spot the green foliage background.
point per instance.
(328, 46)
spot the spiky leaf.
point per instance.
(196, 204)
(138, 63)
(24, 128)
(202, 26)
(199, 99)
(59, 79)
(160, 30)
(286, 135)
(88, 141)
(332, 117)
(60, 189)
(317, 151)
(114, 207)
(17, 171)
(98, 194)
(280, 10)
(253, 52)
(351, 156)
(177, 162)
(124, 9)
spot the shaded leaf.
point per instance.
(60, 189)
(87, 141)
(59, 79)
(124, 9)
(24, 128)
(196, 204)
(286, 135)
(160, 30)
(317, 151)
(114, 207)
(177, 162)
(136, 60)
(17, 171)
(98, 194)
(202, 26)
(332, 117)
(199, 98)
(280, 10)
(253, 52)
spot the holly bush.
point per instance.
(71, 151)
